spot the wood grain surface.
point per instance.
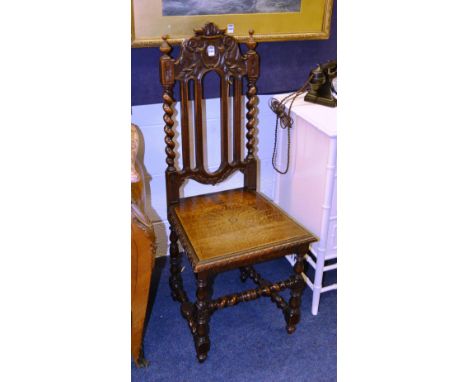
(233, 222)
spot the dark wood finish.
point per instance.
(202, 315)
(237, 153)
(230, 229)
(293, 313)
(244, 275)
(175, 281)
(257, 279)
(193, 64)
(268, 289)
(143, 250)
(184, 91)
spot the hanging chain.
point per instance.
(284, 120)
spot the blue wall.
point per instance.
(284, 67)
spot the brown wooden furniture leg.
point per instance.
(175, 279)
(176, 283)
(293, 313)
(244, 275)
(142, 266)
(202, 316)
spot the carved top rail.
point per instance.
(210, 49)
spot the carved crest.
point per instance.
(209, 49)
(210, 29)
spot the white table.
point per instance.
(308, 191)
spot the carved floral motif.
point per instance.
(210, 29)
(209, 49)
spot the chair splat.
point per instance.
(210, 50)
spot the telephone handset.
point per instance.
(321, 89)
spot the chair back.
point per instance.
(209, 50)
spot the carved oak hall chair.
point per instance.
(231, 229)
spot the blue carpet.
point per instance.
(249, 341)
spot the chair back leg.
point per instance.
(293, 313)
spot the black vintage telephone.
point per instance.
(320, 88)
(322, 84)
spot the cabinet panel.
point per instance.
(301, 191)
(308, 191)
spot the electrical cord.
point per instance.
(283, 119)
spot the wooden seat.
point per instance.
(230, 229)
(245, 226)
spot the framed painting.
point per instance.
(272, 20)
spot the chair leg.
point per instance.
(175, 280)
(293, 313)
(243, 274)
(202, 316)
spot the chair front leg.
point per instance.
(293, 313)
(202, 316)
(175, 280)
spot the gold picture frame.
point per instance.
(311, 23)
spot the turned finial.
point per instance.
(165, 48)
(251, 42)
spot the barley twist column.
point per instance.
(252, 75)
(167, 81)
(168, 139)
